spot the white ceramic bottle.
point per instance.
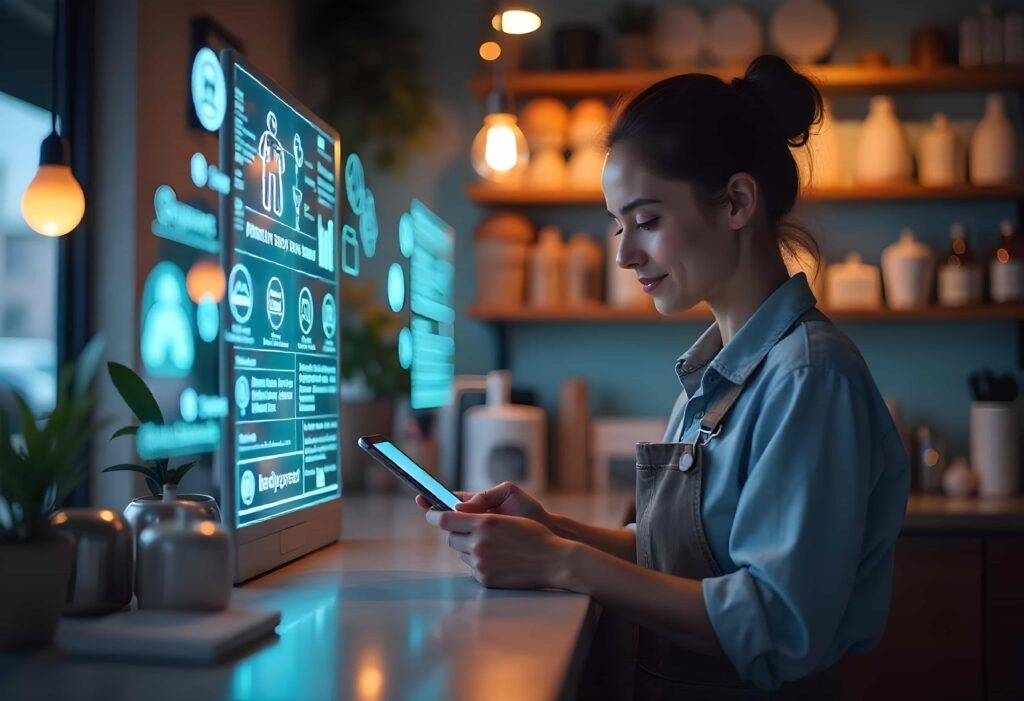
(960, 279)
(853, 284)
(940, 155)
(883, 154)
(991, 37)
(547, 269)
(908, 271)
(993, 158)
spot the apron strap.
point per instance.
(711, 423)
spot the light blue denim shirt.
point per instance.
(805, 490)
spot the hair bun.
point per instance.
(790, 97)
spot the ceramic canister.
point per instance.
(853, 284)
(908, 271)
(184, 565)
(547, 266)
(995, 448)
(940, 156)
(883, 154)
(993, 159)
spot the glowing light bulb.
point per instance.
(516, 21)
(499, 150)
(53, 203)
(490, 51)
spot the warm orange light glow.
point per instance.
(107, 515)
(207, 528)
(53, 203)
(59, 518)
(490, 50)
(205, 278)
(931, 457)
(499, 149)
(369, 676)
(516, 21)
(1003, 256)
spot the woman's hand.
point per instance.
(510, 552)
(506, 498)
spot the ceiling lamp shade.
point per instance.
(517, 21)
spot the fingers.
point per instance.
(491, 498)
(455, 521)
(460, 542)
(423, 503)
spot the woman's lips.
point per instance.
(649, 283)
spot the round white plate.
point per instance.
(735, 36)
(803, 31)
(678, 35)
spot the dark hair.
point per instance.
(698, 129)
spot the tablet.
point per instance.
(385, 452)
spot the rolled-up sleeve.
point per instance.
(799, 529)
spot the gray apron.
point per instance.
(670, 538)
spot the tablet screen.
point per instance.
(417, 473)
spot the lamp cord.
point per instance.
(53, 64)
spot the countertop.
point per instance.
(934, 513)
(388, 612)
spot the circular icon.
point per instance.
(406, 235)
(275, 302)
(305, 311)
(396, 287)
(405, 348)
(355, 183)
(242, 394)
(209, 95)
(189, 404)
(329, 316)
(240, 293)
(200, 170)
(368, 225)
(248, 487)
(207, 319)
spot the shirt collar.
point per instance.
(736, 361)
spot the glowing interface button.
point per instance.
(406, 235)
(275, 302)
(305, 311)
(355, 184)
(329, 315)
(209, 94)
(396, 287)
(405, 348)
(240, 293)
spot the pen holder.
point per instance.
(995, 448)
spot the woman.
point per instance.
(766, 521)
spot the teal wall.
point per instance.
(922, 364)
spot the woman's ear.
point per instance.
(742, 192)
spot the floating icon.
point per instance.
(240, 293)
(271, 152)
(305, 311)
(188, 403)
(368, 226)
(247, 487)
(321, 478)
(200, 169)
(355, 184)
(242, 394)
(275, 302)
(325, 243)
(405, 348)
(167, 344)
(329, 316)
(396, 287)
(406, 235)
(209, 95)
(349, 251)
(207, 319)
(297, 199)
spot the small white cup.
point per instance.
(995, 448)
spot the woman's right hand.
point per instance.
(506, 498)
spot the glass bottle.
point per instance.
(960, 277)
(1006, 267)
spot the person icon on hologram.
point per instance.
(272, 154)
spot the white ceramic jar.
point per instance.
(853, 284)
(547, 265)
(908, 271)
(500, 245)
(993, 158)
(883, 154)
(940, 159)
(584, 271)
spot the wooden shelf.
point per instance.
(834, 79)
(482, 193)
(702, 313)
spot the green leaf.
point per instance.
(135, 393)
(154, 488)
(176, 475)
(125, 431)
(149, 472)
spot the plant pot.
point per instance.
(634, 50)
(358, 471)
(33, 587)
(145, 511)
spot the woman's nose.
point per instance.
(628, 256)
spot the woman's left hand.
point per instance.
(506, 552)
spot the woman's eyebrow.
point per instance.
(637, 203)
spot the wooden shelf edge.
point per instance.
(491, 195)
(832, 78)
(481, 312)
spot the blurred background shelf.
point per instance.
(485, 194)
(702, 313)
(834, 79)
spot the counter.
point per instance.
(388, 612)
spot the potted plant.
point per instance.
(371, 376)
(632, 21)
(38, 470)
(162, 479)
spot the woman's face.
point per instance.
(680, 255)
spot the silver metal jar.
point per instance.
(101, 577)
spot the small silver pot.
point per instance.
(184, 565)
(101, 577)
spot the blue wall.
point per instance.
(922, 364)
